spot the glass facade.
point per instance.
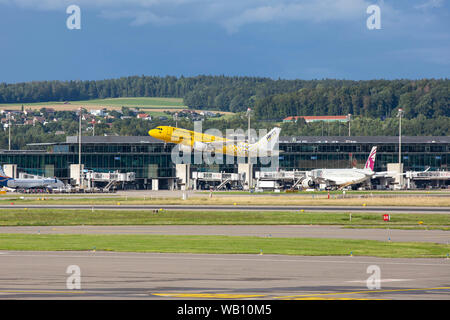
(415, 156)
(149, 158)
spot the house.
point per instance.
(98, 112)
(39, 119)
(144, 116)
(207, 114)
(317, 118)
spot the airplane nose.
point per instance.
(153, 133)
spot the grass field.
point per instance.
(142, 102)
(319, 200)
(57, 217)
(155, 106)
(221, 245)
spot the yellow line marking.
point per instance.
(320, 298)
(208, 295)
(359, 292)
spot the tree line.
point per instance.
(376, 99)
(271, 99)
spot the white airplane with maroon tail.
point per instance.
(341, 177)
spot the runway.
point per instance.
(373, 209)
(120, 275)
(276, 231)
(109, 275)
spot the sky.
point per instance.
(288, 39)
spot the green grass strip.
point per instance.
(60, 217)
(221, 245)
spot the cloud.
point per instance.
(313, 11)
(138, 17)
(232, 15)
(430, 4)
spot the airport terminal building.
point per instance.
(151, 161)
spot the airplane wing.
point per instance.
(324, 180)
(217, 144)
(342, 186)
(386, 174)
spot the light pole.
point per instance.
(175, 117)
(9, 131)
(79, 146)
(349, 117)
(250, 169)
(400, 170)
(249, 111)
(93, 127)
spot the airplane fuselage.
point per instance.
(341, 177)
(202, 142)
(28, 183)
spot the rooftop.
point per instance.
(112, 139)
(365, 139)
(317, 117)
(301, 139)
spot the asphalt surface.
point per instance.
(178, 194)
(276, 231)
(114, 275)
(110, 275)
(377, 209)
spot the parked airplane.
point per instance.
(46, 183)
(191, 140)
(341, 177)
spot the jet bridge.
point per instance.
(109, 180)
(279, 179)
(427, 179)
(217, 180)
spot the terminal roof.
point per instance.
(301, 139)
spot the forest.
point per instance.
(373, 105)
(271, 99)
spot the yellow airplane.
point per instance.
(191, 140)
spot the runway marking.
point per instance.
(209, 295)
(359, 292)
(319, 298)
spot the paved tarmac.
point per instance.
(276, 231)
(148, 194)
(111, 275)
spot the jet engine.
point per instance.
(308, 183)
(203, 147)
(184, 148)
